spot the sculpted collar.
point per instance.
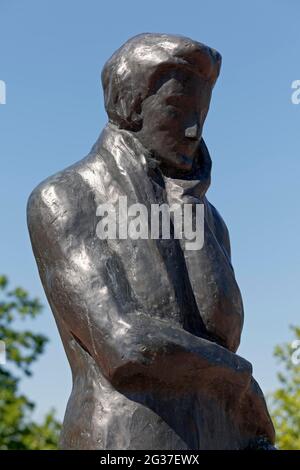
(193, 185)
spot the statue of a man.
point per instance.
(150, 328)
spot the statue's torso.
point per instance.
(98, 416)
(195, 290)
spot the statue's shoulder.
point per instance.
(216, 216)
(57, 197)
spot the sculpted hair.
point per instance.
(135, 71)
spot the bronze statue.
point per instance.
(150, 328)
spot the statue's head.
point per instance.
(159, 87)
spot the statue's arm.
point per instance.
(127, 346)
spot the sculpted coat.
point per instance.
(150, 328)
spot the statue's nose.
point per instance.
(192, 132)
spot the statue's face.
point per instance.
(173, 119)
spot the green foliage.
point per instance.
(23, 347)
(285, 401)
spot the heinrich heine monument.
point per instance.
(150, 319)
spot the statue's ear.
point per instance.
(135, 121)
(124, 105)
(122, 108)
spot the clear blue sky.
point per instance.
(51, 56)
